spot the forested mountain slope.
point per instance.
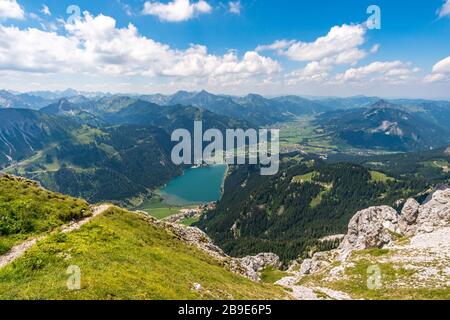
(385, 126)
(111, 163)
(23, 132)
(288, 213)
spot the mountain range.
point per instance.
(117, 148)
(387, 126)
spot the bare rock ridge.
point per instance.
(415, 247)
(259, 262)
(370, 228)
(376, 227)
(379, 227)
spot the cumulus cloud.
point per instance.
(94, 45)
(313, 71)
(176, 10)
(197, 61)
(339, 46)
(45, 10)
(440, 72)
(384, 71)
(235, 7)
(278, 46)
(445, 9)
(10, 9)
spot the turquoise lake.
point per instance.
(196, 186)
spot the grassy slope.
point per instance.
(121, 256)
(272, 275)
(26, 210)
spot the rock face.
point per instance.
(261, 261)
(316, 263)
(425, 255)
(377, 227)
(408, 218)
(435, 213)
(370, 228)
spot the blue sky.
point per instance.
(236, 47)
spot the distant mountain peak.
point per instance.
(382, 104)
(254, 96)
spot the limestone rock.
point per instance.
(408, 218)
(318, 261)
(370, 228)
(435, 213)
(261, 261)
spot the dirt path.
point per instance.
(19, 250)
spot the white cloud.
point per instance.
(386, 72)
(445, 9)
(313, 71)
(34, 16)
(127, 9)
(440, 72)
(197, 61)
(176, 10)
(442, 66)
(94, 45)
(278, 46)
(375, 48)
(11, 9)
(45, 10)
(339, 46)
(235, 7)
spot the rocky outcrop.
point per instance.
(435, 213)
(318, 261)
(370, 228)
(422, 250)
(377, 227)
(261, 261)
(408, 218)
